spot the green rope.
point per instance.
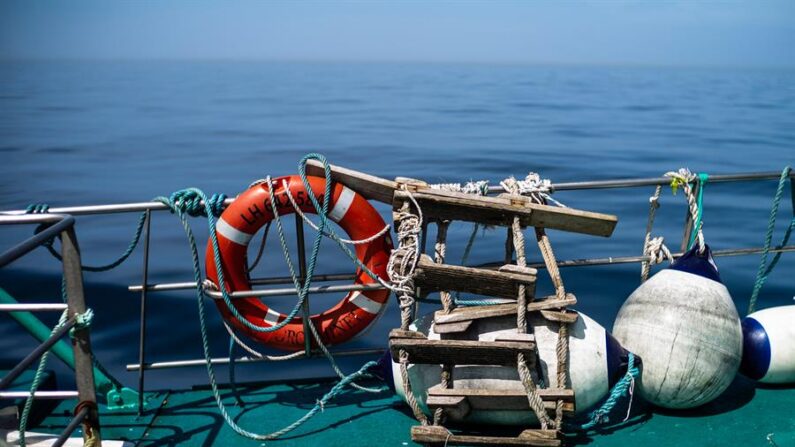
(601, 415)
(176, 206)
(703, 178)
(40, 208)
(34, 386)
(764, 268)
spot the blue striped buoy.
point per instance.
(683, 324)
(769, 345)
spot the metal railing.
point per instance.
(58, 226)
(145, 287)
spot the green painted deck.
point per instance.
(744, 416)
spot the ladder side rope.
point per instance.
(764, 268)
(533, 398)
(448, 304)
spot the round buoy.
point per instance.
(683, 324)
(596, 362)
(769, 345)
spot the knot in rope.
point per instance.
(82, 321)
(479, 187)
(533, 186)
(189, 201)
(681, 178)
(657, 251)
(626, 384)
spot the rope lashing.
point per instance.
(764, 268)
(653, 248)
(625, 386)
(479, 187)
(683, 178)
(189, 201)
(40, 208)
(82, 321)
(540, 190)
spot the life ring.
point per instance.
(250, 211)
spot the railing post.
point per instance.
(81, 341)
(305, 315)
(142, 333)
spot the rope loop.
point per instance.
(540, 190)
(683, 179)
(82, 322)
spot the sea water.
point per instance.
(77, 133)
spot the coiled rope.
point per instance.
(764, 268)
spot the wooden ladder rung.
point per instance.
(463, 314)
(438, 435)
(458, 352)
(430, 277)
(438, 204)
(489, 399)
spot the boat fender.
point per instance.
(769, 345)
(683, 324)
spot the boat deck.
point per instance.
(744, 416)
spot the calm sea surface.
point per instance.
(89, 133)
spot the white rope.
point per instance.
(259, 355)
(367, 240)
(534, 186)
(479, 187)
(684, 178)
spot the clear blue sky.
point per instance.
(752, 33)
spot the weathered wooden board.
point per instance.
(430, 277)
(514, 400)
(369, 186)
(457, 352)
(455, 406)
(462, 314)
(562, 317)
(437, 204)
(438, 435)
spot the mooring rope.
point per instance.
(683, 178)
(625, 386)
(765, 269)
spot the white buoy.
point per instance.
(683, 324)
(769, 345)
(596, 363)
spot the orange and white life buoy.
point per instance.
(251, 211)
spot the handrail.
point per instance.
(132, 207)
(61, 225)
(34, 355)
(60, 222)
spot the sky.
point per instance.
(679, 33)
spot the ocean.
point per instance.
(78, 133)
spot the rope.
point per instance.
(683, 178)
(23, 420)
(538, 189)
(764, 268)
(620, 389)
(479, 187)
(533, 398)
(41, 208)
(261, 249)
(176, 206)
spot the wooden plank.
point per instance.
(460, 352)
(437, 204)
(369, 186)
(438, 435)
(456, 407)
(431, 277)
(514, 400)
(563, 317)
(498, 310)
(452, 328)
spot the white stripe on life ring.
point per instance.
(364, 303)
(343, 205)
(223, 228)
(272, 317)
